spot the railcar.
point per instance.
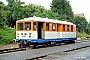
(36, 30)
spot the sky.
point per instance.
(78, 6)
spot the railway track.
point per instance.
(8, 50)
(40, 53)
(2, 51)
(77, 41)
(45, 57)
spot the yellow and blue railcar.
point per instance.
(37, 30)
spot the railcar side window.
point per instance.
(71, 28)
(54, 27)
(27, 25)
(67, 27)
(34, 26)
(47, 26)
(20, 26)
(63, 27)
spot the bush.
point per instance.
(7, 35)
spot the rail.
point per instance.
(11, 50)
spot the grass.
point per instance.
(79, 34)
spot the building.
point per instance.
(81, 15)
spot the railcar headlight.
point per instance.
(29, 36)
(17, 33)
(25, 33)
(18, 36)
(21, 33)
(29, 33)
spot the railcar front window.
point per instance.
(27, 25)
(20, 26)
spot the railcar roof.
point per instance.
(45, 20)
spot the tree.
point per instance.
(87, 28)
(51, 15)
(89, 24)
(3, 15)
(40, 11)
(63, 8)
(81, 23)
(14, 11)
(45, 13)
(14, 7)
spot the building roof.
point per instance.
(45, 20)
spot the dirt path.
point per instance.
(8, 46)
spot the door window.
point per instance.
(47, 26)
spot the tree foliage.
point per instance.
(18, 10)
(82, 24)
(63, 8)
(14, 7)
(3, 15)
(60, 9)
(87, 28)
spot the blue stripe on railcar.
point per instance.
(46, 40)
(68, 39)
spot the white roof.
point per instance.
(45, 20)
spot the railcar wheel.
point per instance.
(59, 43)
(47, 44)
(22, 46)
(67, 42)
(73, 41)
(32, 46)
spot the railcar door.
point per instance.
(40, 30)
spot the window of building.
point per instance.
(54, 27)
(71, 28)
(20, 26)
(27, 25)
(67, 27)
(63, 27)
(47, 26)
(34, 26)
